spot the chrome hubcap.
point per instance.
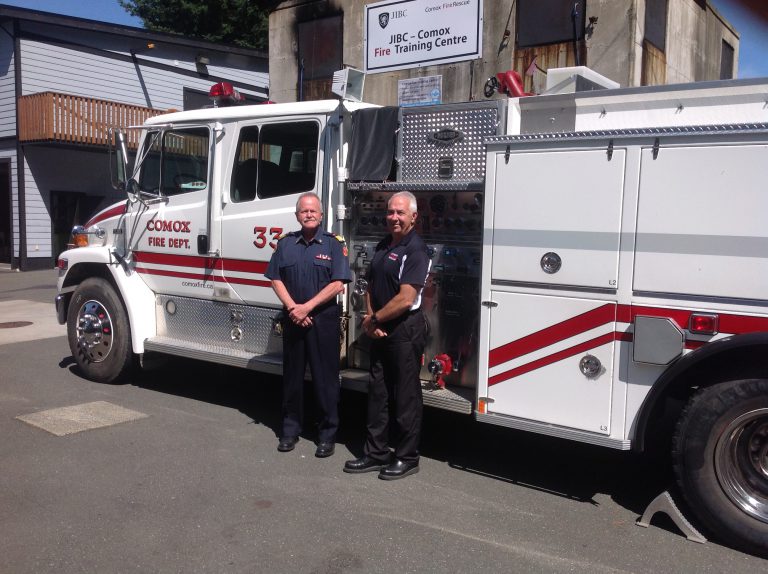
(94, 331)
(741, 463)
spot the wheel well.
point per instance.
(738, 357)
(82, 271)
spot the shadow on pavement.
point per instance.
(556, 466)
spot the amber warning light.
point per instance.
(224, 94)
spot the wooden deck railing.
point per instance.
(63, 118)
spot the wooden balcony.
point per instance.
(63, 118)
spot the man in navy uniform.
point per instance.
(308, 269)
(397, 327)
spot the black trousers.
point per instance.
(394, 390)
(317, 345)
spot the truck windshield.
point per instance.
(175, 163)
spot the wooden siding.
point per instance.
(37, 217)
(51, 117)
(50, 67)
(654, 72)
(7, 85)
(225, 63)
(552, 56)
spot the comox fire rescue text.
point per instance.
(599, 261)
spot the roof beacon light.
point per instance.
(224, 94)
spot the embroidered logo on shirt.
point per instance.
(393, 256)
(323, 257)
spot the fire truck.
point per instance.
(599, 261)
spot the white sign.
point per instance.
(424, 91)
(411, 33)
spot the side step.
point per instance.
(456, 399)
(269, 363)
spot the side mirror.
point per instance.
(118, 165)
(132, 190)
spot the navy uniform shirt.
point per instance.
(306, 268)
(407, 262)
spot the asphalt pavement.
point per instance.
(192, 481)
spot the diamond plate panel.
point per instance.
(420, 154)
(226, 325)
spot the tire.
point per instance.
(720, 457)
(98, 331)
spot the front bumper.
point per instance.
(62, 304)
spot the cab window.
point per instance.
(175, 161)
(275, 160)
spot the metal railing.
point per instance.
(64, 118)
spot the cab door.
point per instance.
(163, 226)
(273, 164)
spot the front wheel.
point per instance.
(720, 453)
(98, 331)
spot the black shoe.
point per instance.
(399, 469)
(325, 449)
(287, 443)
(363, 464)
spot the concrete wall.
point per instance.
(462, 81)
(694, 42)
(612, 42)
(614, 46)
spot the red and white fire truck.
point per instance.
(599, 261)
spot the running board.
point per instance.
(457, 399)
(269, 363)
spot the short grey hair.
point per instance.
(409, 196)
(309, 194)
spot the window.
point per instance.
(243, 186)
(320, 55)
(175, 161)
(275, 160)
(726, 61)
(541, 22)
(656, 23)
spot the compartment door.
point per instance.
(540, 348)
(557, 218)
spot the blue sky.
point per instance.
(753, 46)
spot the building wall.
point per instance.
(612, 41)
(38, 218)
(105, 68)
(7, 84)
(613, 46)
(119, 67)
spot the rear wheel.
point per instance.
(720, 454)
(98, 331)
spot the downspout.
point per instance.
(20, 187)
(574, 20)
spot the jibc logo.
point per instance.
(384, 19)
